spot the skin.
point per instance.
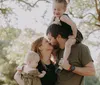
(58, 9)
(45, 50)
(34, 63)
(87, 70)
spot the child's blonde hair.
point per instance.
(30, 56)
(62, 1)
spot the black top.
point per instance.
(79, 36)
(50, 76)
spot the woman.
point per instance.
(44, 49)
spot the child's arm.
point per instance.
(18, 79)
(42, 74)
(67, 20)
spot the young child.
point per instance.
(29, 74)
(59, 8)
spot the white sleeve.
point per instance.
(18, 79)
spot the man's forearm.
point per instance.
(85, 71)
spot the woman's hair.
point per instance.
(62, 1)
(36, 44)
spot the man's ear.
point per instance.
(58, 37)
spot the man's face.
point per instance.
(52, 40)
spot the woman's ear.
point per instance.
(40, 48)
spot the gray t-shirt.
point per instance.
(79, 56)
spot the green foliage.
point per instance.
(7, 68)
(9, 33)
(14, 44)
(5, 10)
(92, 81)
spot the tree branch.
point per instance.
(1, 1)
(81, 17)
(90, 14)
(34, 3)
(97, 25)
(91, 33)
(96, 5)
(98, 10)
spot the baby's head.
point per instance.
(32, 59)
(59, 7)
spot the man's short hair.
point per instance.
(55, 29)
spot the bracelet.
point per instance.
(71, 68)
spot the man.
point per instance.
(78, 64)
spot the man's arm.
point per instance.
(88, 70)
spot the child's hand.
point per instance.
(19, 68)
(44, 72)
(57, 21)
(64, 64)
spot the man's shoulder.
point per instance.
(81, 46)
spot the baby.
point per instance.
(29, 74)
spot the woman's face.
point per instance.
(46, 45)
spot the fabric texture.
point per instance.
(50, 76)
(31, 78)
(79, 56)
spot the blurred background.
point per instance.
(22, 21)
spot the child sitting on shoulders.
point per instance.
(59, 8)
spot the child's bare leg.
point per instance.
(68, 45)
(67, 50)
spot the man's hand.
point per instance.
(64, 63)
